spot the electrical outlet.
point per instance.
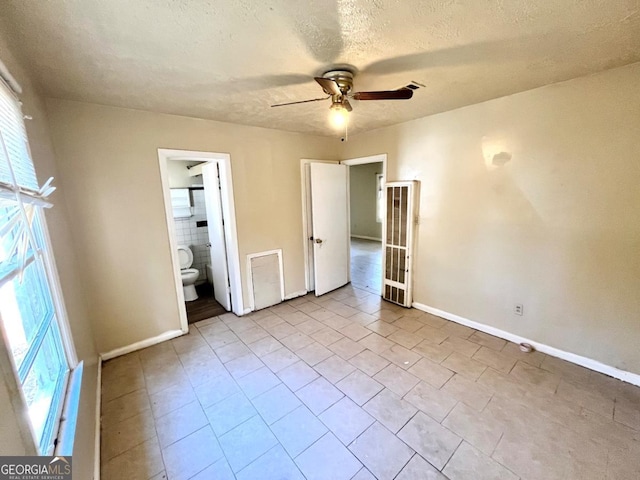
(518, 309)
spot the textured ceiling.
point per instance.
(230, 60)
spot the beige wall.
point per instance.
(556, 229)
(363, 198)
(71, 276)
(110, 171)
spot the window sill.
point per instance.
(67, 430)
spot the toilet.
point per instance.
(189, 275)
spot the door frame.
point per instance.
(309, 280)
(228, 213)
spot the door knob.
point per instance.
(318, 240)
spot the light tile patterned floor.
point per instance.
(366, 264)
(348, 387)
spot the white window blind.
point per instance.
(15, 146)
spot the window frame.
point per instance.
(48, 442)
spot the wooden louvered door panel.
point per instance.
(401, 204)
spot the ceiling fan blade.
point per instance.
(401, 94)
(329, 86)
(301, 101)
(347, 105)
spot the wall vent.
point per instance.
(266, 284)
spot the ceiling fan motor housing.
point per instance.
(343, 78)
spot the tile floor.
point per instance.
(348, 387)
(366, 264)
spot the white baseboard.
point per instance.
(363, 237)
(299, 293)
(163, 337)
(96, 453)
(589, 363)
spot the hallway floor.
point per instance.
(205, 306)
(348, 387)
(366, 265)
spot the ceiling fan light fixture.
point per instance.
(338, 116)
(337, 85)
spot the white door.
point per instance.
(215, 225)
(330, 222)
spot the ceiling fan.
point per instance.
(338, 85)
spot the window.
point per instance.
(30, 307)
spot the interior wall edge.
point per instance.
(586, 362)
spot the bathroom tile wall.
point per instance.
(196, 238)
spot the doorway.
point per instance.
(364, 247)
(197, 219)
(200, 214)
(366, 189)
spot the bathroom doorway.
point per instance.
(200, 214)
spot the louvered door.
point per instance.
(400, 219)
